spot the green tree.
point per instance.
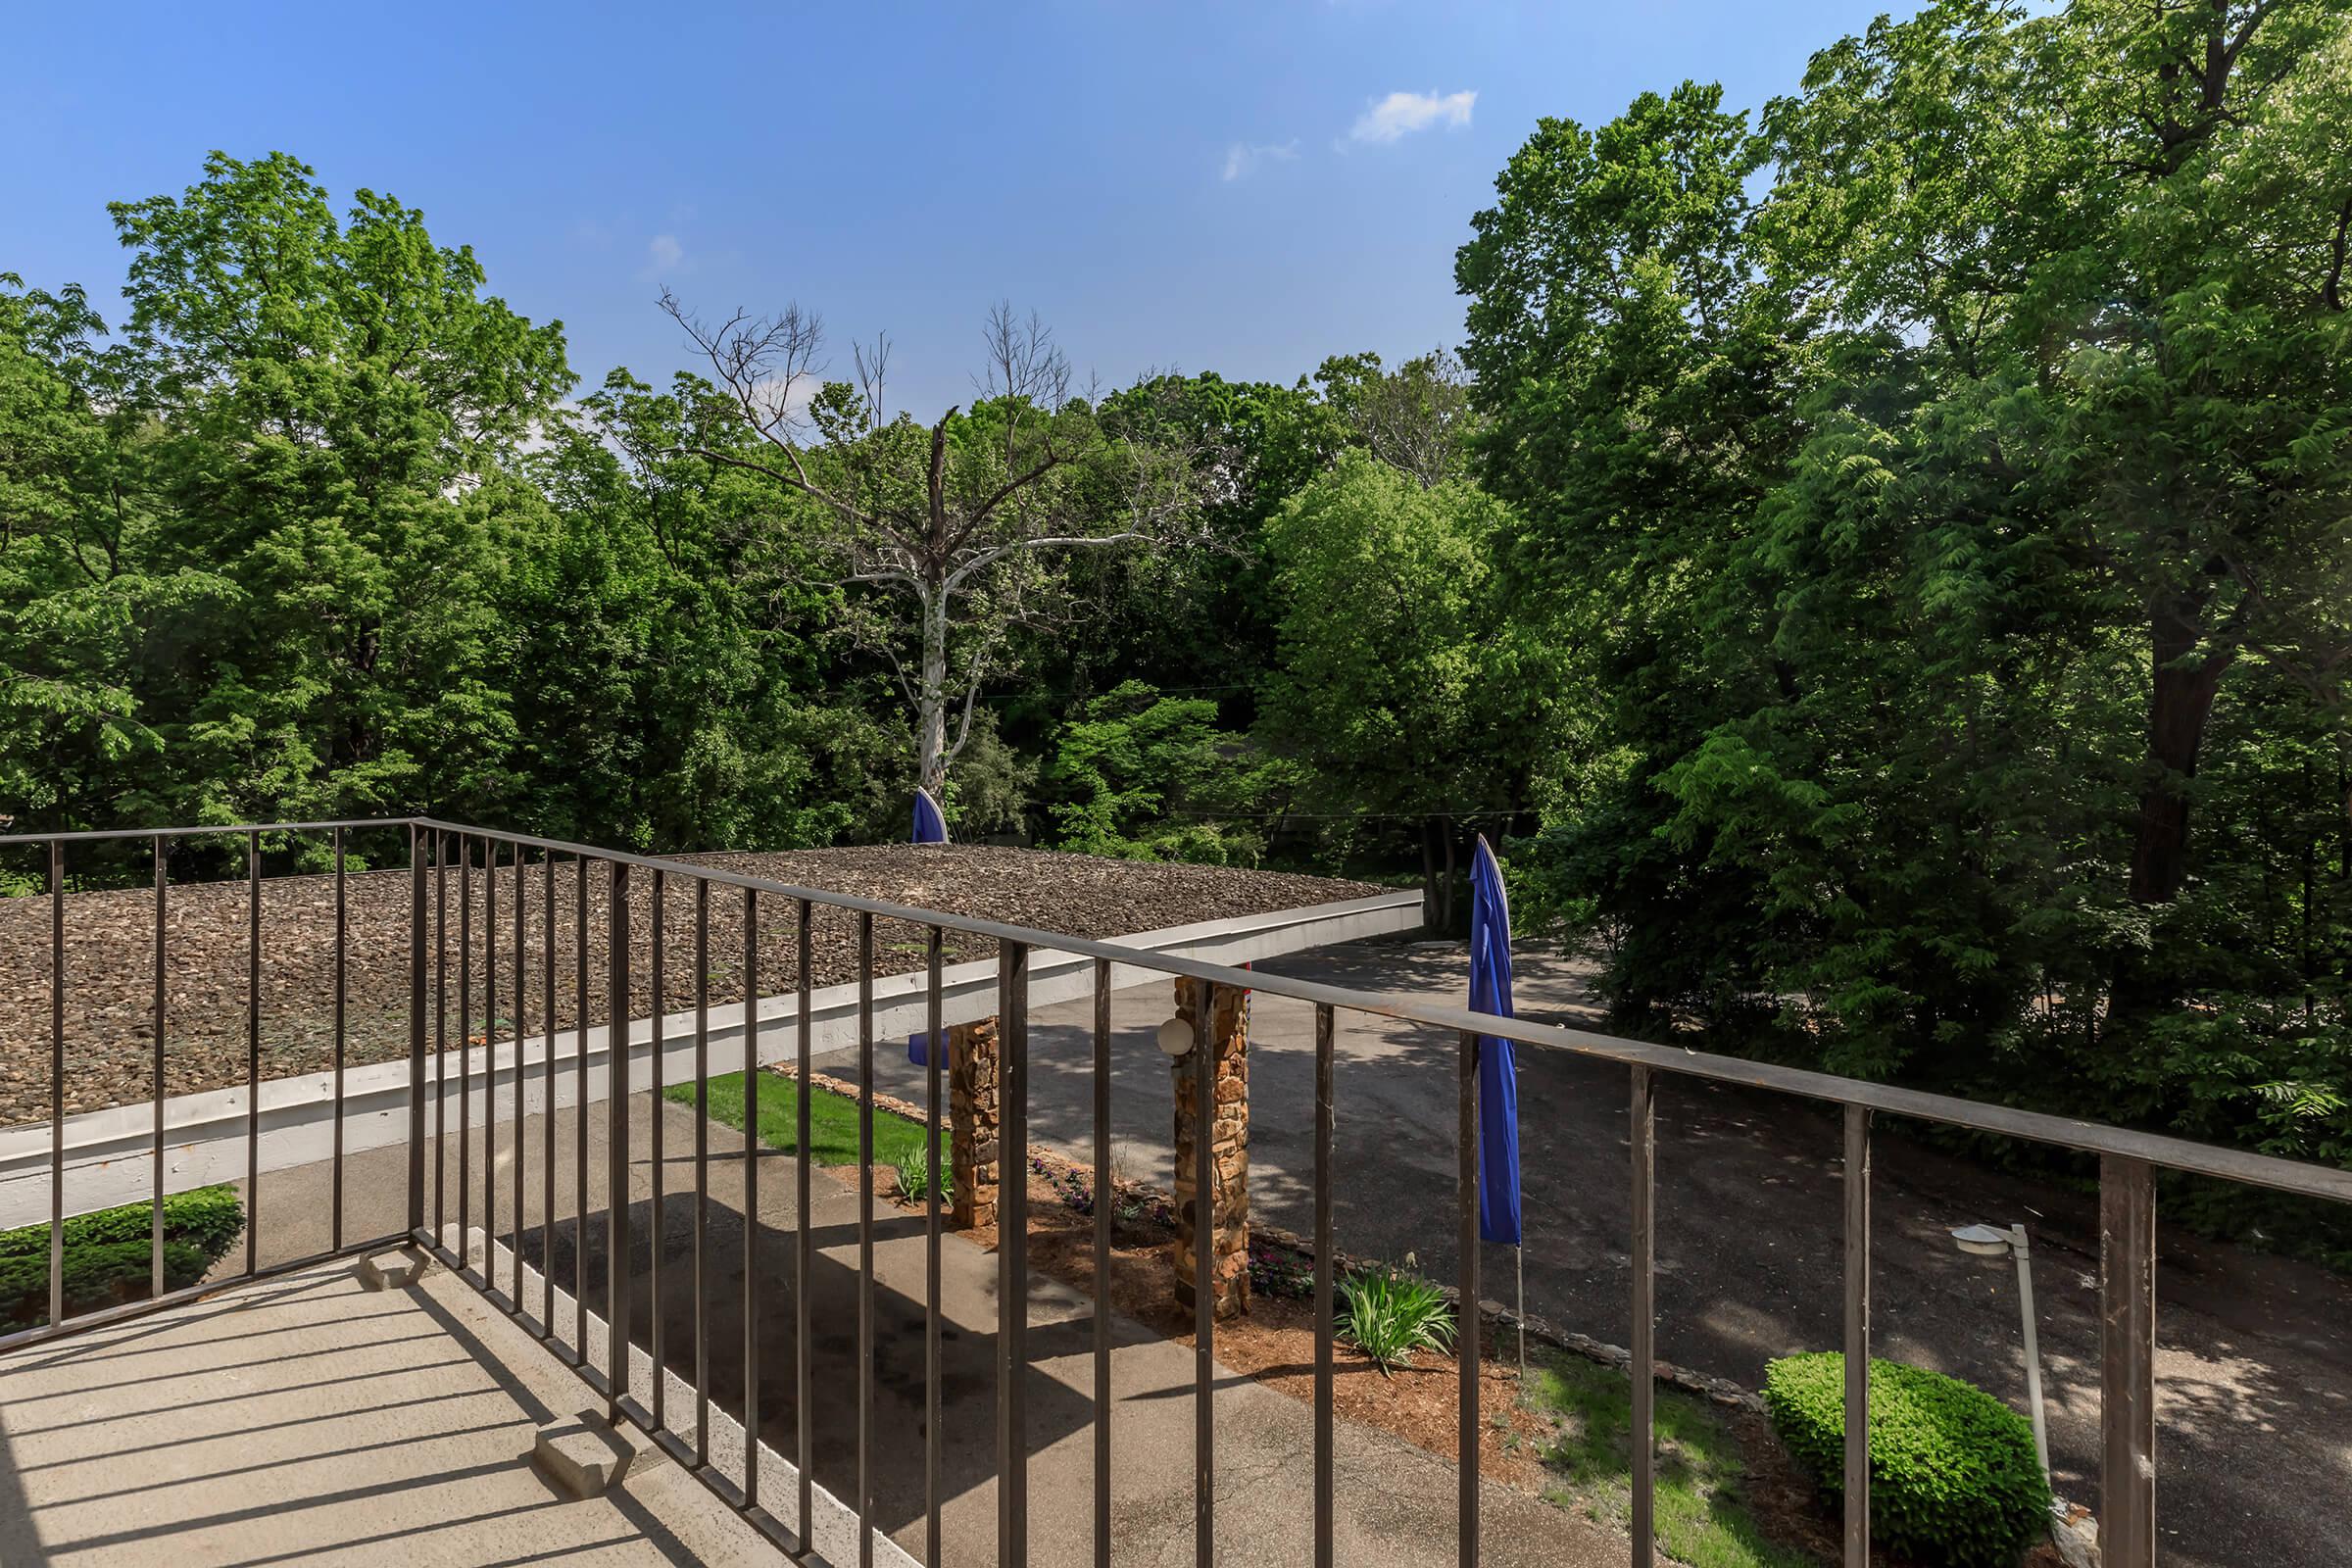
(1636, 375)
(75, 520)
(335, 401)
(2110, 244)
(1938, 497)
(1397, 687)
(1148, 777)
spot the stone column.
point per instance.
(1229, 1146)
(972, 1150)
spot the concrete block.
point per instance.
(392, 1271)
(582, 1456)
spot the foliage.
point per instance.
(1700, 1480)
(1143, 776)
(108, 1257)
(1389, 1313)
(915, 1180)
(1954, 1476)
(1396, 688)
(318, 539)
(1934, 497)
(1279, 1272)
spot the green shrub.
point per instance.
(1389, 1313)
(915, 1180)
(1953, 1478)
(108, 1253)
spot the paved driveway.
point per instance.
(2255, 1354)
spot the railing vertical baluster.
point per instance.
(1205, 1303)
(702, 1171)
(2127, 1362)
(655, 1152)
(1643, 1118)
(579, 1152)
(1013, 1254)
(342, 991)
(804, 1242)
(937, 1049)
(865, 1236)
(751, 1197)
(417, 1032)
(490, 1071)
(616, 1146)
(1857, 1337)
(547, 1109)
(57, 1082)
(155, 1237)
(441, 1039)
(523, 1018)
(1105, 1202)
(1324, 1118)
(1468, 1325)
(466, 1057)
(252, 1053)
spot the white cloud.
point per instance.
(663, 253)
(1243, 157)
(1401, 114)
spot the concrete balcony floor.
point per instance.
(305, 1418)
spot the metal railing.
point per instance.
(2128, 1160)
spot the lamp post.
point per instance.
(1986, 1241)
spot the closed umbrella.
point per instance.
(930, 827)
(1498, 1216)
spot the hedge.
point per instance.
(1954, 1476)
(108, 1253)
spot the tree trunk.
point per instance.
(931, 701)
(1446, 897)
(1429, 872)
(2179, 702)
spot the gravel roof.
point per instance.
(110, 953)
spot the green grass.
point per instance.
(1701, 1521)
(832, 1121)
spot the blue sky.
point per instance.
(1245, 188)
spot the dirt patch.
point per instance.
(110, 953)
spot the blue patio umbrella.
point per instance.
(1497, 1071)
(930, 823)
(930, 827)
(1498, 1217)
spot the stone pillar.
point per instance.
(972, 1150)
(1229, 1145)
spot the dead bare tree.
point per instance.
(956, 527)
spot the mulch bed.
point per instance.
(110, 953)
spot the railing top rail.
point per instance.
(210, 830)
(2065, 1132)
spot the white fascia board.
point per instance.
(110, 1153)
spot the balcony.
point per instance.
(920, 1394)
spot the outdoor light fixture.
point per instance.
(1176, 1037)
(1986, 1241)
